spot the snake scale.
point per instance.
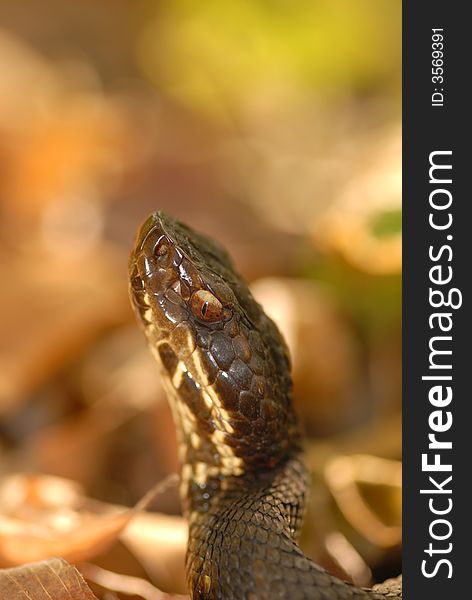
(226, 371)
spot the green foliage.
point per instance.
(387, 223)
(223, 52)
(373, 301)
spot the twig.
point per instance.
(126, 584)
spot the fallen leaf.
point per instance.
(159, 543)
(344, 474)
(36, 525)
(52, 578)
(85, 537)
(132, 586)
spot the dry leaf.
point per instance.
(53, 578)
(159, 542)
(46, 516)
(74, 300)
(325, 354)
(131, 586)
(344, 474)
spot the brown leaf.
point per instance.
(47, 516)
(73, 302)
(132, 586)
(326, 380)
(45, 580)
(159, 542)
(37, 524)
(21, 543)
(344, 476)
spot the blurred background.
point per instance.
(275, 128)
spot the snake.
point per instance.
(226, 371)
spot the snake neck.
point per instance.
(233, 521)
(242, 541)
(211, 467)
(285, 484)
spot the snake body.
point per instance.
(226, 371)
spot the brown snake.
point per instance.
(227, 374)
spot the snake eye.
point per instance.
(206, 306)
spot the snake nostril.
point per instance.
(161, 250)
(137, 283)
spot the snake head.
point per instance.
(222, 359)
